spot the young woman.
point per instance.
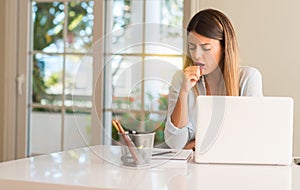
(211, 67)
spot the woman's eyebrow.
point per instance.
(204, 44)
(192, 43)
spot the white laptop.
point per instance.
(244, 130)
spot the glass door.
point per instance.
(60, 74)
(142, 47)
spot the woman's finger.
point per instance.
(193, 70)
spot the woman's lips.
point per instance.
(199, 64)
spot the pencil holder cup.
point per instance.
(136, 148)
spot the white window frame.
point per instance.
(9, 84)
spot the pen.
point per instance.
(161, 153)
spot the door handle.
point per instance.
(20, 82)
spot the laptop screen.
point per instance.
(250, 130)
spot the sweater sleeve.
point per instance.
(175, 137)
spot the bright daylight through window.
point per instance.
(142, 49)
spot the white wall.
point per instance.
(269, 37)
(7, 77)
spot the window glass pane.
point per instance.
(47, 79)
(139, 92)
(167, 66)
(48, 21)
(164, 35)
(157, 90)
(123, 76)
(46, 128)
(157, 83)
(79, 80)
(156, 122)
(61, 75)
(124, 31)
(141, 121)
(77, 129)
(131, 120)
(45, 132)
(80, 26)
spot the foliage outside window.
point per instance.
(59, 111)
(50, 41)
(132, 108)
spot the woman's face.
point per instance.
(205, 52)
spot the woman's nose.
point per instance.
(198, 53)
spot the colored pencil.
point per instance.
(129, 143)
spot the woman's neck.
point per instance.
(214, 82)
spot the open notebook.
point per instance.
(172, 154)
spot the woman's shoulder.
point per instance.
(248, 71)
(250, 81)
(178, 76)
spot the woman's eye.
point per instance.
(206, 47)
(192, 47)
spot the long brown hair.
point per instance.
(214, 24)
